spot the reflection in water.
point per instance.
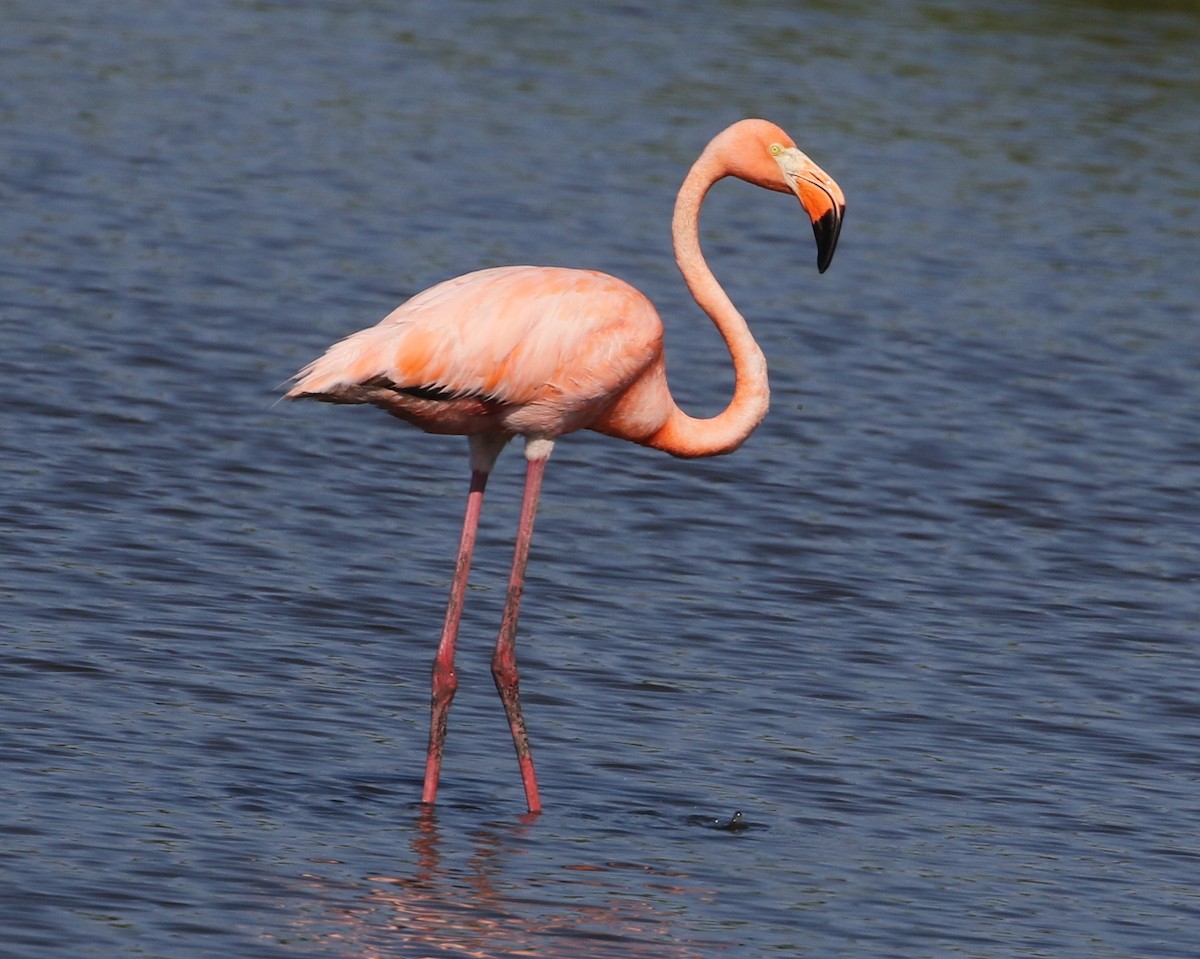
(481, 909)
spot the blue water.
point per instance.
(934, 631)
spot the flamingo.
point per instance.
(539, 352)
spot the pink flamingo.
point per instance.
(542, 351)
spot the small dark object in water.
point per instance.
(734, 824)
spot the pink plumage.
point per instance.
(521, 349)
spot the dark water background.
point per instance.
(934, 630)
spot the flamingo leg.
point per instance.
(504, 660)
(445, 681)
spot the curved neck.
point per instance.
(684, 435)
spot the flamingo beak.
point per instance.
(828, 228)
(821, 198)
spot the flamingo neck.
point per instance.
(684, 435)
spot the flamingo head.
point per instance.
(761, 153)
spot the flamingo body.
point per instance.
(540, 352)
(516, 350)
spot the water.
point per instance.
(933, 631)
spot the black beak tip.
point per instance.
(827, 230)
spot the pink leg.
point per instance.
(504, 661)
(445, 682)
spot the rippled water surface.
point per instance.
(933, 630)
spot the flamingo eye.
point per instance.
(775, 149)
